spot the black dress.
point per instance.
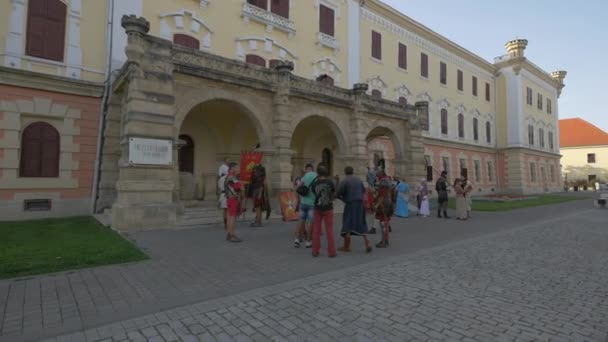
(351, 191)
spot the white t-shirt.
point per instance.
(220, 186)
(223, 170)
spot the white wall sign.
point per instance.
(150, 151)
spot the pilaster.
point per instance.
(358, 145)
(146, 193)
(281, 153)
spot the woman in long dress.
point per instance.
(424, 192)
(403, 194)
(461, 205)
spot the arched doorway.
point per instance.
(185, 154)
(221, 129)
(382, 150)
(316, 140)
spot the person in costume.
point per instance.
(384, 206)
(403, 197)
(232, 190)
(442, 195)
(425, 210)
(258, 192)
(352, 192)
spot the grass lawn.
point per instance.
(51, 245)
(510, 205)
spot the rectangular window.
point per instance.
(259, 3)
(326, 20)
(280, 7)
(552, 171)
(532, 172)
(444, 121)
(539, 101)
(487, 91)
(488, 132)
(474, 80)
(424, 65)
(37, 205)
(549, 109)
(463, 165)
(460, 80)
(551, 141)
(591, 158)
(446, 164)
(402, 56)
(45, 35)
(529, 96)
(443, 73)
(541, 137)
(427, 160)
(490, 172)
(477, 170)
(531, 135)
(376, 45)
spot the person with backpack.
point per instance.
(306, 208)
(324, 191)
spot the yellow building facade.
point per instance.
(479, 113)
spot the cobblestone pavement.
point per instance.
(534, 278)
(539, 282)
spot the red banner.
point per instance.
(248, 161)
(289, 205)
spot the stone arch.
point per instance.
(339, 134)
(196, 97)
(383, 129)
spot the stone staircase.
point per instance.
(206, 213)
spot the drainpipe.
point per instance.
(104, 103)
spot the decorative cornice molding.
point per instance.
(35, 80)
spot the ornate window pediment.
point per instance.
(271, 20)
(327, 66)
(443, 104)
(185, 21)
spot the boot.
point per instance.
(445, 214)
(439, 213)
(346, 247)
(368, 248)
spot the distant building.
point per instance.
(584, 148)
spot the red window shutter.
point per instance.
(402, 101)
(186, 41)
(45, 36)
(327, 20)
(402, 56)
(39, 151)
(259, 3)
(280, 7)
(254, 59)
(376, 94)
(376, 45)
(424, 65)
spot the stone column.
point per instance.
(145, 193)
(358, 134)
(280, 153)
(414, 168)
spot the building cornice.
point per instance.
(459, 145)
(410, 25)
(538, 74)
(34, 80)
(531, 151)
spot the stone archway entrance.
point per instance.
(316, 140)
(220, 129)
(383, 150)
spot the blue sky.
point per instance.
(561, 35)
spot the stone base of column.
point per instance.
(136, 217)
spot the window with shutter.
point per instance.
(474, 80)
(187, 41)
(376, 45)
(460, 80)
(460, 125)
(326, 79)
(327, 20)
(402, 56)
(444, 121)
(402, 101)
(46, 29)
(424, 65)
(376, 94)
(255, 59)
(259, 3)
(475, 129)
(280, 7)
(487, 91)
(39, 151)
(443, 73)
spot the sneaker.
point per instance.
(372, 231)
(308, 244)
(296, 243)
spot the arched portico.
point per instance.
(383, 143)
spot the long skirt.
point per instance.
(402, 207)
(424, 207)
(461, 207)
(353, 219)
